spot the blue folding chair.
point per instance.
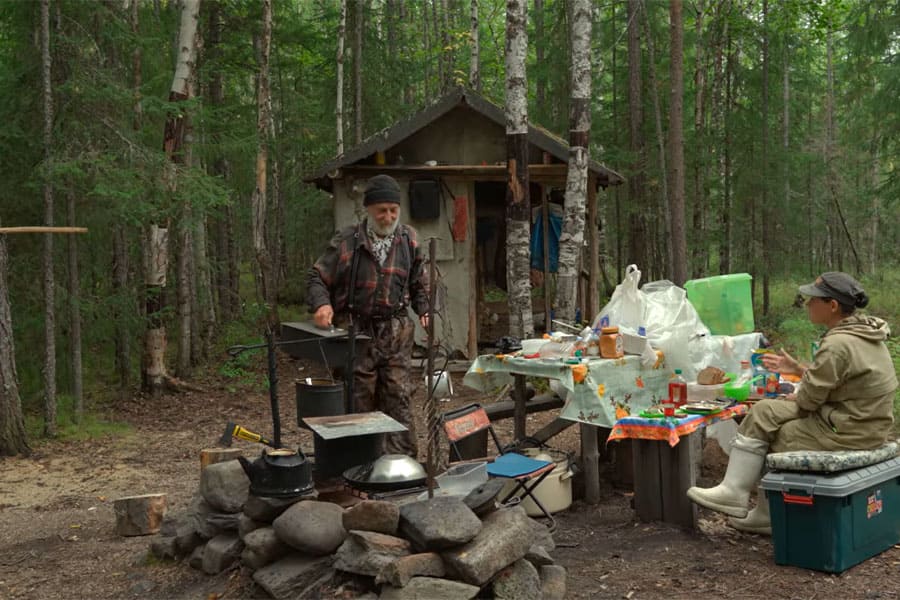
(528, 473)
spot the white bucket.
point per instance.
(555, 491)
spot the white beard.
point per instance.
(384, 231)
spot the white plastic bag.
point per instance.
(625, 308)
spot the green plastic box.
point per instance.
(723, 302)
(830, 522)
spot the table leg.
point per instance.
(519, 410)
(662, 475)
(590, 456)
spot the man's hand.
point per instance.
(323, 316)
(424, 320)
(782, 363)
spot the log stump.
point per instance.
(209, 456)
(139, 515)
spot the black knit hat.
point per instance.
(382, 188)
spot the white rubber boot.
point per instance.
(758, 520)
(745, 466)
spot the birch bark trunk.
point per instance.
(13, 439)
(153, 368)
(764, 211)
(357, 73)
(699, 249)
(259, 199)
(339, 97)
(474, 50)
(518, 204)
(49, 282)
(571, 241)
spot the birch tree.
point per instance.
(13, 439)
(357, 72)
(518, 204)
(474, 72)
(676, 144)
(74, 313)
(265, 275)
(153, 368)
(339, 96)
(572, 238)
(49, 282)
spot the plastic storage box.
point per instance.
(830, 522)
(723, 302)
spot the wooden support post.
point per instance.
(593, 296)
(590, 457)
(662, 476)
(520, 411)
(545, 233)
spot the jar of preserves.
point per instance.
(611, 343)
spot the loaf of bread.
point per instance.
(712, 376)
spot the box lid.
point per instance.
(839, 484)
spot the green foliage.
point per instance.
(92, 426)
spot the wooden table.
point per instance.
(665, 457)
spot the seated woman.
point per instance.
(844, 402)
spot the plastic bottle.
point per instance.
(678, 390)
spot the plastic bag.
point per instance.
(625, 308)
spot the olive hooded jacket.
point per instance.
(850, 384)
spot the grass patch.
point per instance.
(92, 425)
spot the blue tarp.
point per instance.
(537, 242)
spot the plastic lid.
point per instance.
(678, 371)
(745, 362)
(610, 330)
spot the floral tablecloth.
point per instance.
(598, 391)
(670, 429)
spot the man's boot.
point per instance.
(745, 466)
(757, 520)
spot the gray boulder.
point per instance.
(262, 547)
(399, 572)
(541, 535)
(519, 581)
(225, 486)
(538, 557)
(373, 515)
(265, 509)
(246, 525)
(196, 559)
(505, 537)
(368, 552)
(295, 576)
(553, 582)
(430, 588)
(200, 510)
(163, 547)
(438, 523)
(221, 552)
(312, 527)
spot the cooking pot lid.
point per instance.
(388, 472)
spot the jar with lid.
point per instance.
(611, 343)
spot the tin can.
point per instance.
(771, 381)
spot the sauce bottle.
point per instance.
(677, 390)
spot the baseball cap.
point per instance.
(840, 286)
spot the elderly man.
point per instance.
(373, 273)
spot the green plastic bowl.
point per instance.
(738, 393)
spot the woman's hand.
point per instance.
(782, 363)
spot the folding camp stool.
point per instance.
(527, 472)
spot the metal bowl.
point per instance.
(394, 468)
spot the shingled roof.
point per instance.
(393, 135)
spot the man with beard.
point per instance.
(373, 273)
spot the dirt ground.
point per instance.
(57, 538)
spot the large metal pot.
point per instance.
(319, 398)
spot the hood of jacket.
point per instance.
(868, 328)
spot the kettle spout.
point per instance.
(245, 464)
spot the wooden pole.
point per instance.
(545, 226)
(43, 229)
(430, 408)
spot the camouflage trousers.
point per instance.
(381, 379)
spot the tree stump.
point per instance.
(139, 515)
(209, 456)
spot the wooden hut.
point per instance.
(450, 161)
